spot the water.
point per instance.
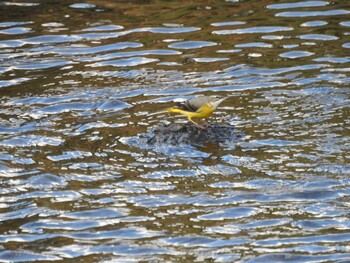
(82, 85)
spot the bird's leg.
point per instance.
(205, 124)
(197, 124)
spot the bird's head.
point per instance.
(215, 101)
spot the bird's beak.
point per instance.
(218, 102)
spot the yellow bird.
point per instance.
(200, 107)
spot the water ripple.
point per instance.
(198, 241)
(254, 44)
(192, 44)
(345, 23)
(296, 54)
(253, 30)
(278, 257)
(85, 87)
(17, 256)
(164, 52)
(208, 60)
(314, 23)
(304, 240)
(298, 4)
(332, 59)
(318, 37)
(313, 13)
(230, 23)
(11, 82)
(140, 251)
(15, 31)
(125, 62)
(342, 224)
(230, 213)
(91, 214)
(32, 64)
(28, 4)
(69, 155)
(78, 107)
(31, 140)
(46, 181)
(71, 50)
(82, 5)
(155, 30)
(103, 28)
(44, 39)
(127, 233)
(10, 24)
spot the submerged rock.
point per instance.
(189, 134)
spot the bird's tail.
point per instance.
(175, 110)
(172, 109)
(183, 112)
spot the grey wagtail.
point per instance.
(200, 107)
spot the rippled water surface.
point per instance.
(84, 83)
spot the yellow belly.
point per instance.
(203, 112)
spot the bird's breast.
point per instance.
(204, 112)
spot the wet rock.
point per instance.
(189, 134)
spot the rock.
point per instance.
(189, 134)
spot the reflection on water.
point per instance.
(81, 86)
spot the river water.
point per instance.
(83, 83)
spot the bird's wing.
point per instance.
(193, 104)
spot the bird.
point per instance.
(200, 107)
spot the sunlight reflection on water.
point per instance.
(84, 87)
